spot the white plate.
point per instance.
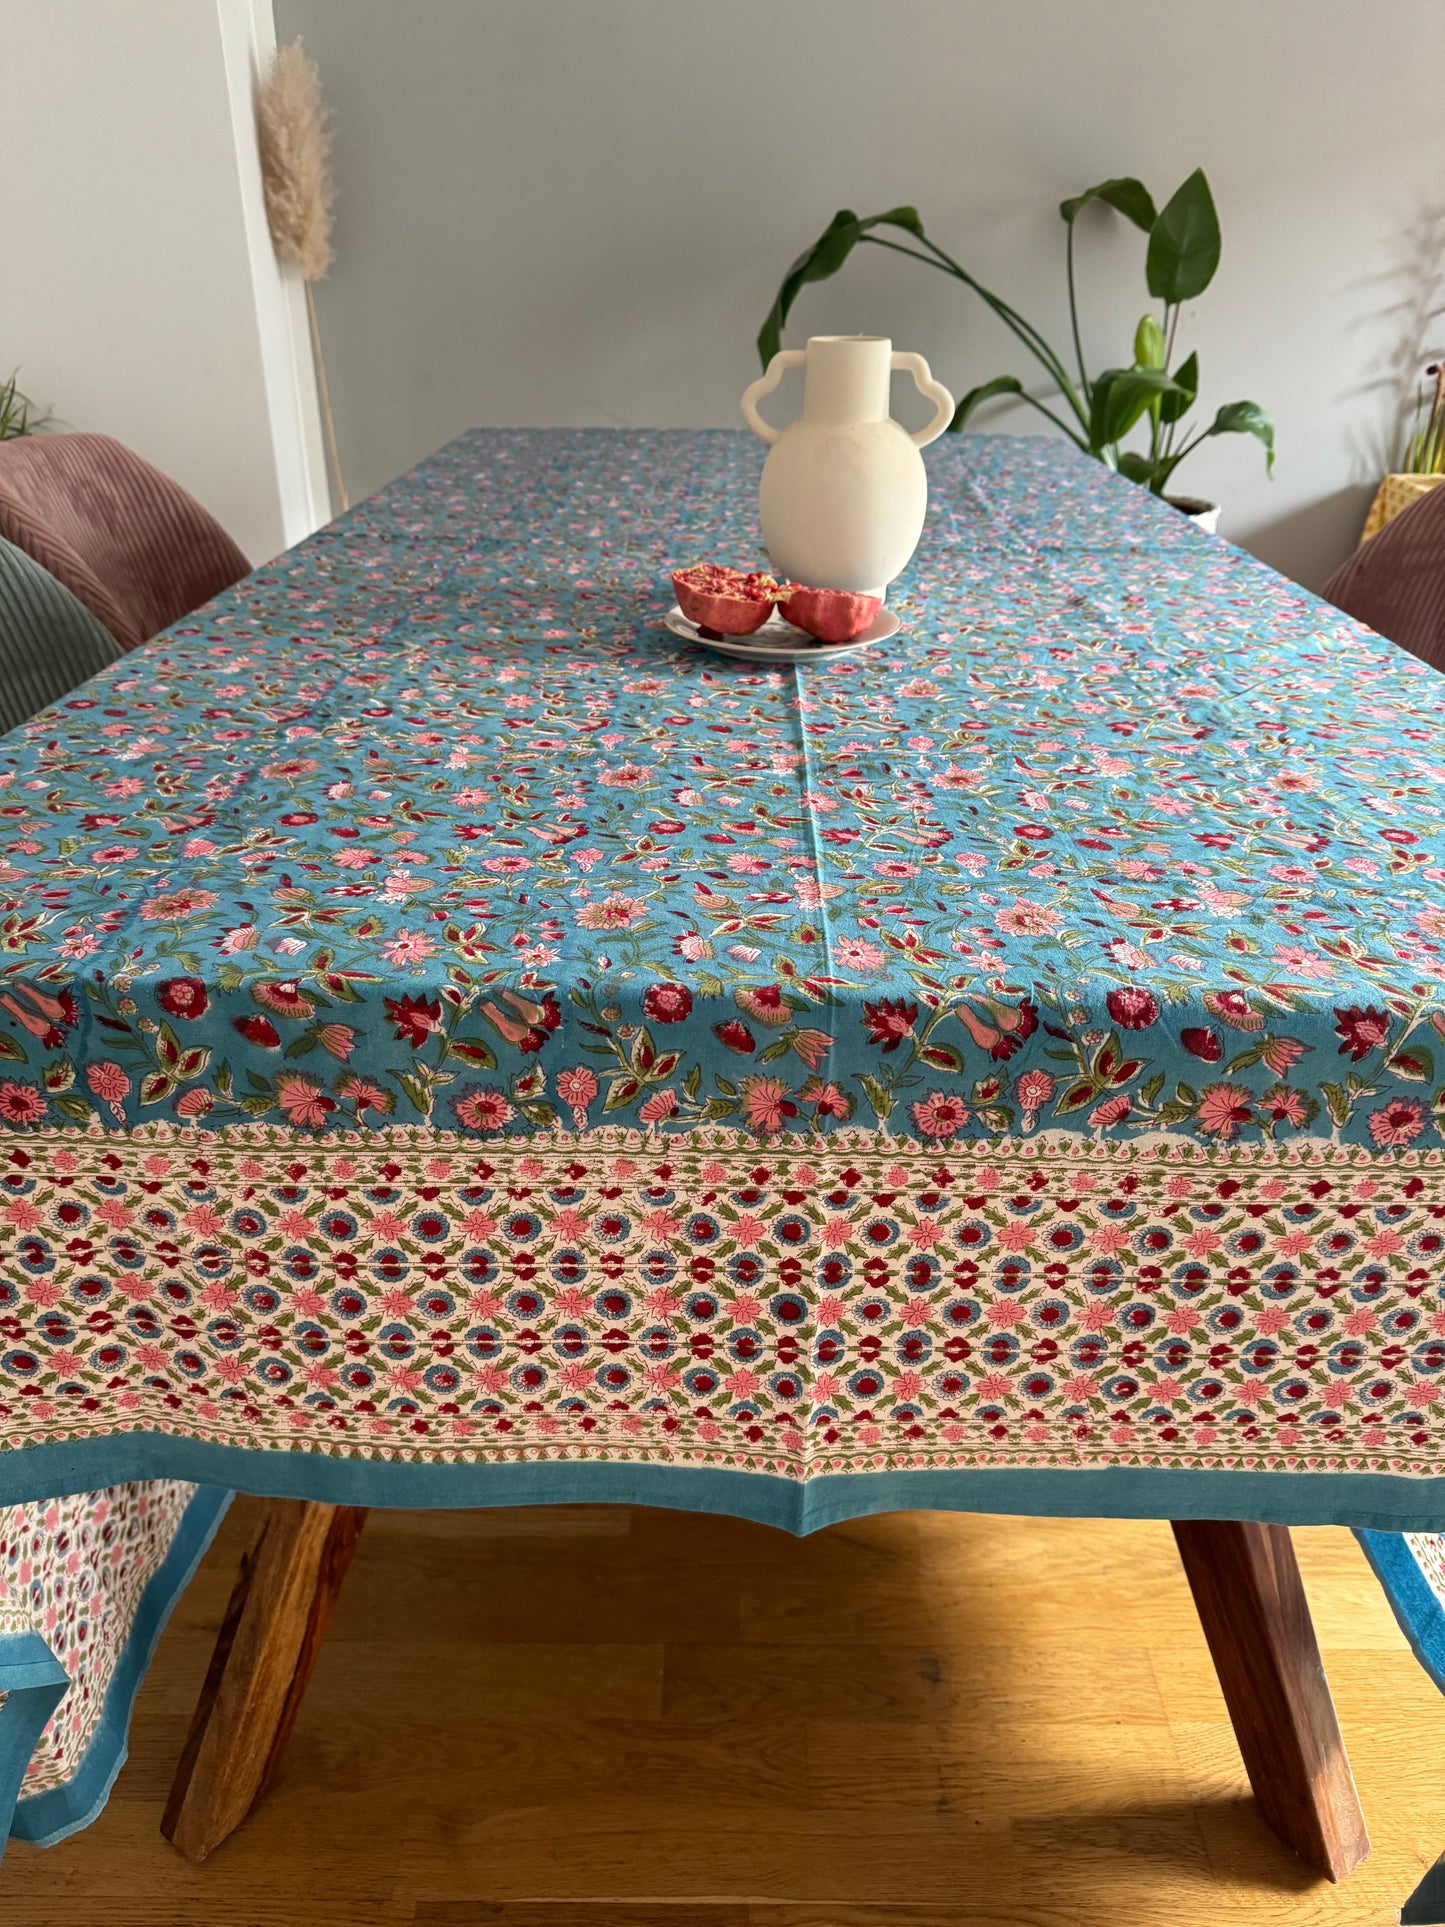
(779, 641)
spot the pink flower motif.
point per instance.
(613, 913)
(194, 1103)
(21, 1104)
(939, 1116)
(660, 1105)
(1398, 1123)
(577, 1088)
(1027, 919)
(1223, 1108)
(854, 954)
(407, 947)
(767, 1104)
(483, 1110)
(1032, 1091)
(1113, 1110)
(303, 1101)
(108, 1081)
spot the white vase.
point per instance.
(844, 491)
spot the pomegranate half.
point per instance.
(726, 602)
(831, 615)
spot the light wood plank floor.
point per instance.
(600, 1718)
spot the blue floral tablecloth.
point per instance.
(460, 1044)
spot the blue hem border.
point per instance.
(1383, 1501)
(34, 1683)
(1419, 1613)
(47, 1817)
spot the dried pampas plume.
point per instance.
(295, 146)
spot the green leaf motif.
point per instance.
(10, 1050)
(1414, 1063)
(824, 258)
(1184, 243)
(880, 1098)
(1337, 1101)
(1125, 195)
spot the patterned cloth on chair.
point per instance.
(49, 642)
(1395, 583)
(126, 540)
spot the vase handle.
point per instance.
(924, 382)
(765, 384)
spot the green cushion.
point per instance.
(49, 641)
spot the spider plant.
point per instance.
(1096, 412)
(1425, 450)
(18, 414)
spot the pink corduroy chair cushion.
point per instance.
(1395, 583)
(126, 540)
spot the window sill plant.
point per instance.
(1153, 394)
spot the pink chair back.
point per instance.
(125, 539)
(1395, 582)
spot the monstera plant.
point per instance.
(1096, 412)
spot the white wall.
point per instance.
(576, 211)
(138, 293)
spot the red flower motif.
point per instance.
(667, 1003)
(735, 1035)
(183, 997)
(414, 1019)
(1360, 1030)
(1203, 1044)
(1132, 1008)
(889, 1021)
(258, 1030)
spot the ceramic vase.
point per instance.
(844, 491)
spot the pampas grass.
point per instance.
(295, 147)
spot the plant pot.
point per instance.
(1204, 515)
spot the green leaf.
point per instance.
(824, 258)
(1337, 1101)
(622, 1090)
(416, 1093)
(475, 1051)
(154, 1086)
(1138, 468)
(1186, 376)
(1150, 348)
(9, 1049)
(1414, 1063)
(75, 1108)
(880, 1098)
(1246, 418)
(1150, 1091)
(1120, 397)
(59, 1075)
(1184, 243)
(1000, 385)
(1126, 195)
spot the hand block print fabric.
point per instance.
(87, 1584)
(457, 1039)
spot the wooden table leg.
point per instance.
(266, 1648)
(1252, 1606)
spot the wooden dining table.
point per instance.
(462, 1044)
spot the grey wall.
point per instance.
(576, 211)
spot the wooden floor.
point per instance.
(601, 1718)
